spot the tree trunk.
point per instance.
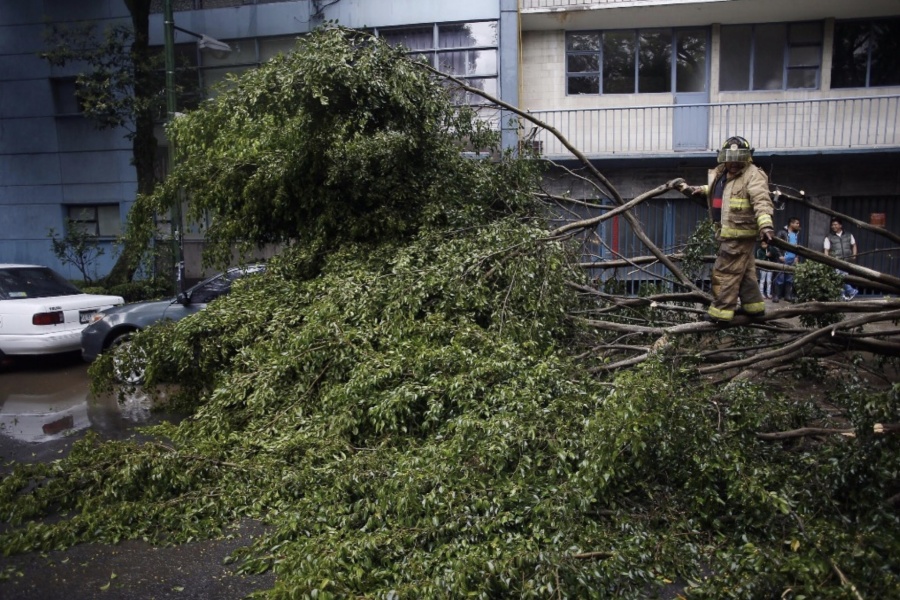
(144, 146)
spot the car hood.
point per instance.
(139, 314)
(140, 307)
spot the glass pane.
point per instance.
(108, 222)
(82, 213)
(428, 57)
(618, 63)
(414, 38)
(466, 35)
(655, 66)
(851, 52)
(485, 62)
(885, 52)
(584, 85)
(488, 85)
(806, 33)
(270, 47)
(734, 66)
(583, 42)
(768, 57)
(690, 61)
(806, 56)
(33, 282)
(64, 97)
(209, 291)
(454, 63)
(802, 78)
(583, 63)
(242, 52)
(468, 62)
(214, 78)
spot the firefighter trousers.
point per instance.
(734, 279)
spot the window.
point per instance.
(64, 98)
(33, 282)
(773, 56)
(866, 53)
(641, 61)
(101, 220)
(465, 50)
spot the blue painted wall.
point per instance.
(48, 161)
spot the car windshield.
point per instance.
(220, 285)
(33, 282)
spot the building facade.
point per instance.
(55, 166)
(649, 90)
(646, 89)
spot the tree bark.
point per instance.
(144, 145)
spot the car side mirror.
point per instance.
(183, 298)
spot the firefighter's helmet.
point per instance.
(736, 149)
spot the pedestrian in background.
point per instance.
(784, 282)
(768, 253)
(842, 245)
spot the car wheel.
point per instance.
(128, 365)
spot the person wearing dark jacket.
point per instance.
(770, 254)
(784, 282)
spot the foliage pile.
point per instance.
(408, 408)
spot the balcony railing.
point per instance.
(551, 4)
(844, 124)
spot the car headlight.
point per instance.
(96, 317)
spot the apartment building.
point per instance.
(55, 166)
(649, 89)
(646, 89)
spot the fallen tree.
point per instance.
(426, 396)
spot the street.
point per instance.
(45, 405)
(44, 399)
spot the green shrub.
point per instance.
(814, 281)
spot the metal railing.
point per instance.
(835, 124)
(551, 4)
(156, 6)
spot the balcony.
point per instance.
(561, 4)
(837, 125)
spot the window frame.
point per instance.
(87, 218)
(786, 67)
(870, 26)
(635, 64)
(435, 51)
(65, 97)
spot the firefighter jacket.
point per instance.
(746, 205)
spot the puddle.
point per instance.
(47, 399)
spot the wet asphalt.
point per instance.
(44, 407)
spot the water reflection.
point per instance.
(49, 398)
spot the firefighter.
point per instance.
(737, 194)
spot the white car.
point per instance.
(42, 313)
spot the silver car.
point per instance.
(114, 327)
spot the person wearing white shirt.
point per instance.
(842, 245)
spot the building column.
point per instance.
(509, 70)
